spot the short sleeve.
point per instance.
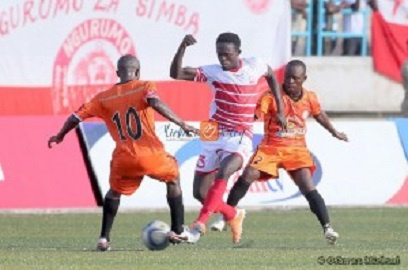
(90, 109)
(263, 105)
(314, 104)
(150, 91)
(200, 76)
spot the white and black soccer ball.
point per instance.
(155, 235)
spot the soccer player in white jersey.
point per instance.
(234, 83)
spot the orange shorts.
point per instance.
(127, 171)
(268, 159)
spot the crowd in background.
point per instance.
(345, 23)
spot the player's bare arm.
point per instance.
(324, 120)
(176, 70)
(274, 86)
(71, 123)
(166, 112)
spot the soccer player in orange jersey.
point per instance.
(127, 109)
(287, 149)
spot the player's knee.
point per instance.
(250, 175)
(173, 189)
(229, 166)
(199, 195)
(306, 187)
(227, 171)
(111, 194)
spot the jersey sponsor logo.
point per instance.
(209, 131)
(86, 62)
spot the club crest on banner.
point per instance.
(258, 6)
(86, 62)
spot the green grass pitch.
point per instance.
(272, 239)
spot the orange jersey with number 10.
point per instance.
(128, 117)
(296, 113)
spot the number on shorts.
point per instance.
(131, 117)
(201, 161)
(257, 159)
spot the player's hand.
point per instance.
(281, 119)
(189, 130)
(54, 139)
(340, 136)
(188, 40)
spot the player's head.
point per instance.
(128, 68)
(295, 75)
(228, 47)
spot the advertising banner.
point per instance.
(65, 51)
(369, 170)
(35, 177)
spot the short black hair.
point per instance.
(297, 62)
(229, 38)
(128, 58)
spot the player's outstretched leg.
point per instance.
(238, 191)
(303, 180)
(201, 184)
(179, 233)
(318, 207)
(110, 208)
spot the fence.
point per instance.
(321, 26)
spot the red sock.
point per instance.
(227, 211)
(213, 200)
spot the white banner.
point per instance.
(394, 11)
(369, 170)
(51, 42)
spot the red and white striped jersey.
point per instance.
(235, 92)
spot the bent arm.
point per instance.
(274, 86)
(324, 121)
(165, 111)
(71, 123)
(176, 69)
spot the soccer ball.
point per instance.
(154, 235)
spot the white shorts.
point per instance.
(214, 152)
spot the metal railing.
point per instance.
(307, 34)
(321, 31)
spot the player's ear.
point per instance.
(239, 51)
(137, 73)
(305, 78)
(117, 73)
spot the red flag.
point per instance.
(389, 44)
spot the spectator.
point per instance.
(300, 7)
(353, 23)
(299, 18)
